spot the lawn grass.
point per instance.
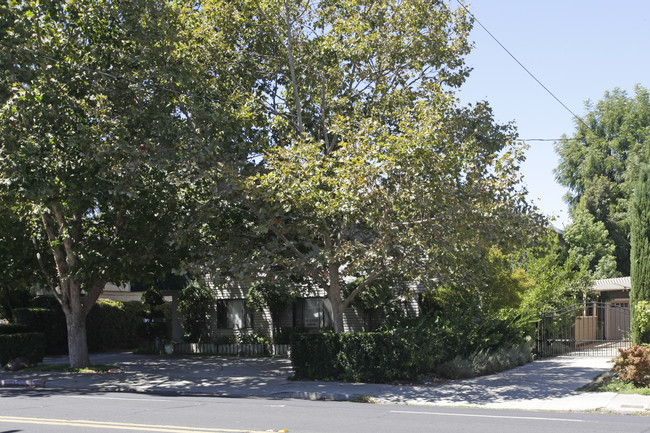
(65, 368)
(609, 382)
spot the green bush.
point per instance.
(198, 305)
(285, 335)
(633, 365)
(642, 318)
(49, 321)
(254, 338)
(366, 356)
(110, 325)
(484, 362)
(154, 324)
(30, 345)
(11, 328)
(113, 325)
(416, 349)
(314, 356)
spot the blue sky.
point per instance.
(577, 48)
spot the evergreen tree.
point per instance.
(640, 252)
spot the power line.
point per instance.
(611, 137)
(524, 68)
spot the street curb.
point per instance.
(28, 383)
(298, 395)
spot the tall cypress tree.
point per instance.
(640, 251)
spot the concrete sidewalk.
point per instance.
(547, 384)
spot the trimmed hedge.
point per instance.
(408, 353)
(12, 328)
(30, 345)
(50, 322)
(110, 325)
(366, 356)
(113, 325)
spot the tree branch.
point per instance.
(378, 273)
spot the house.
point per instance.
(613, 290)
(310, 312)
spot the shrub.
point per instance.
(285, 335)
(113, 325)
(154, 323)
(49, 321)
(366, 356)
(633, 365)
(198, 304)
(642, 317)
(484, 362)
(409, 352)
(314, 356)
(30, 345)
(254, 338)
(11, 328)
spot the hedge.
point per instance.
(50, 322)
(113, 325)
(30, 345)
(12, 328)
(110, 325)
(366, 356)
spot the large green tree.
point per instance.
(600, 161)
(422, 202)
(19, 267)
(105, 139)
(371, 168)
(640, 255)
(590, 247)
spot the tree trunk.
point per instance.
(337, 313)
(334, 295)
(333, 289)
(77, 341)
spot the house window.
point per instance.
(310, 313)
(233, 314)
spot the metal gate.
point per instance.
(592, 329)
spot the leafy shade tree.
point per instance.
(19, 269)
(318, 61)
(274, 296)
(590, 246)
(104, 141)
(421, 202)
(555, 282)
(600, 162)
(640, 255)
(198, 306)
(379, 302)
(371, 167)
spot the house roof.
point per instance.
(611, 284)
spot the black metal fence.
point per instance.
(590, 329)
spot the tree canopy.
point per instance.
(600, 162)
(421, 203)
(320, 139)
(104, 139)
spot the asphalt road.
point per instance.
(31, 410)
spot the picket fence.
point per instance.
(229, 349)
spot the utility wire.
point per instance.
(524, 68)
(611, 137)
